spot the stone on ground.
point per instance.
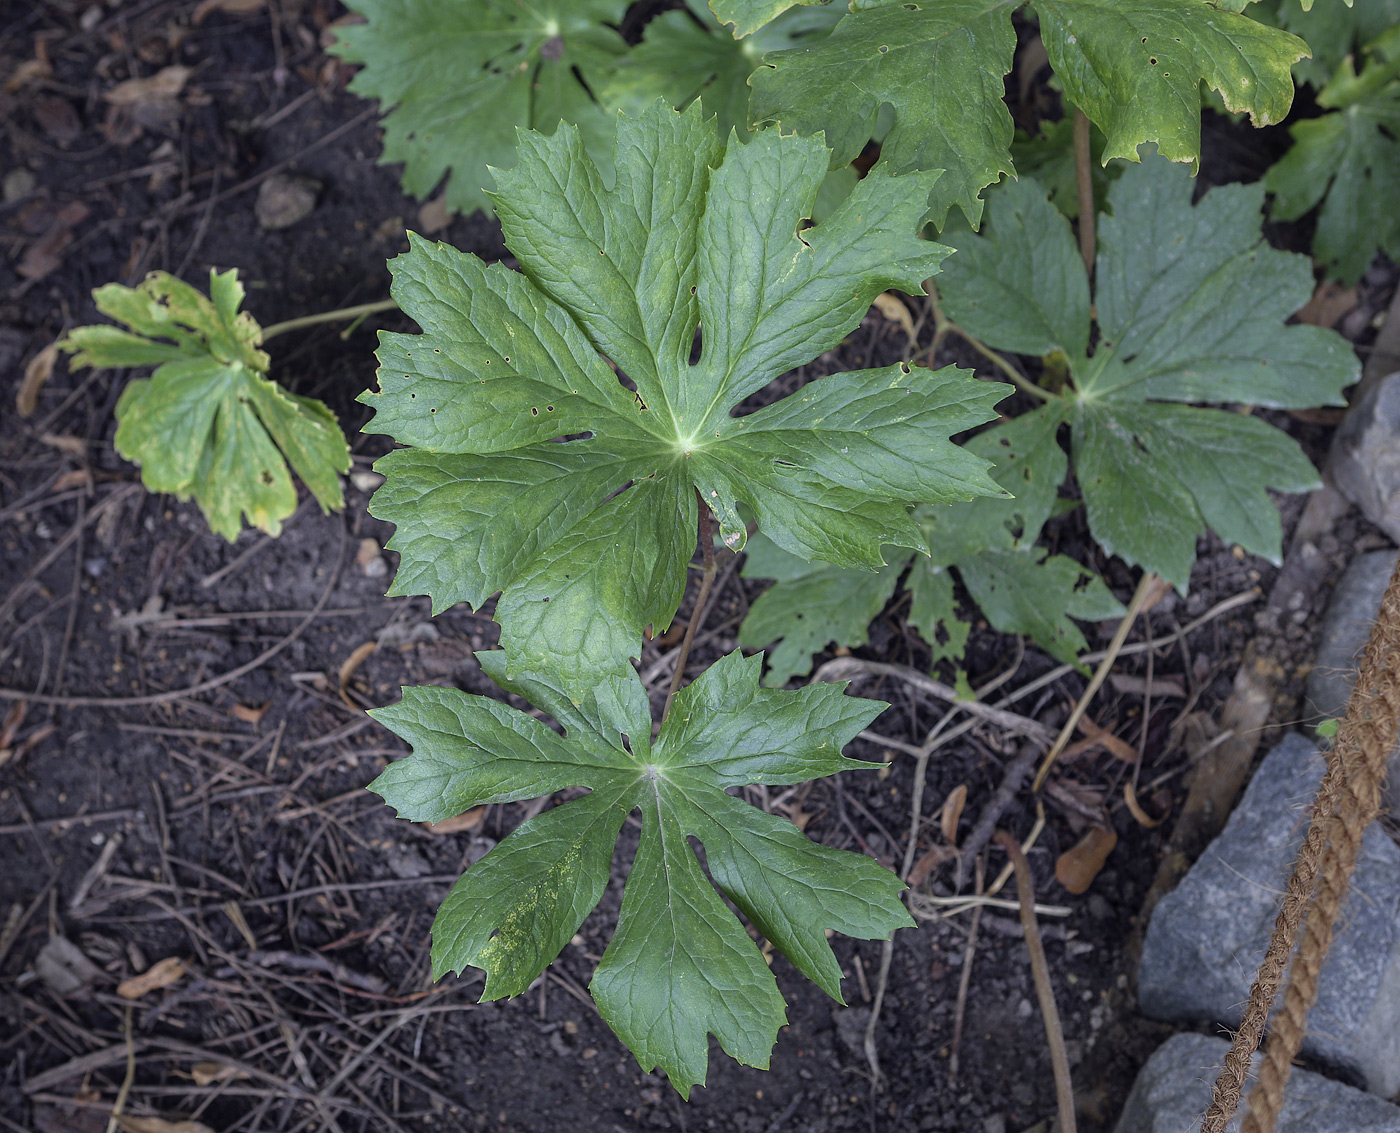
(1206, 938)
(1365, 463)
(1345, 630)
(1174, 1088)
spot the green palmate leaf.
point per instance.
(1029, 591)
(939, 64)
(1022, 284)
(1333, 31)
(747, 16)
(535, 471)
(208, 423)
(457, 77)
(1190, 305)
(812, 604)
(1134, 67)
(988, 542)
(680, 966)
(1349, 161)
(687, 54)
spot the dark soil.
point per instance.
(230, 829)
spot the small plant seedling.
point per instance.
(208, 423)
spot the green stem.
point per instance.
(698, 611)
(1084, 184)
(358, 312)
(943, 325)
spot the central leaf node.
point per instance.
(588, 542)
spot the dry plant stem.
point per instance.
(965, 982)
(986, 824)
(1144, 587)
(697, 612)
(846, 668)
(1357, 766)
(120, 1103)
(1040, 971)
(1084, 185)
(357, 312)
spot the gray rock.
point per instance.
(285, 199)
(1206, 938)
(1345, 629)
(1174, 1088)
(1365, 458)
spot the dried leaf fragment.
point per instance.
(35, 374)
(158, 1125)
(892, 307)
(249, 714)
(163, 85)
(1077, 867)
(463, 822)
(161, 974)
(228, 7)
(207, 1073)
(952, 811)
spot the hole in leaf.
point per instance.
(884, 49)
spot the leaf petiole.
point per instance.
(357, 313)
(698, 611)
(944, 326)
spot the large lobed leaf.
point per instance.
(1349, 161)
(680, 966)
(536, 472)
(1190, 305)
(456, 78)
(989, 543)
(208, 423)
(1134, 67)
(687, 54)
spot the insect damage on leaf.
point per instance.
(1190, 305)
(1133, 66)
(208, 423)
(561, 434)
(679, 966)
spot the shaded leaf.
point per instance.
(679, 966)
(1191, 305)
(455, 78)
(687, 54)
(813, 604)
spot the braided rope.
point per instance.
(1348, 801)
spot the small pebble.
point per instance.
(284, 200)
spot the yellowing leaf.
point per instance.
(208, 423)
